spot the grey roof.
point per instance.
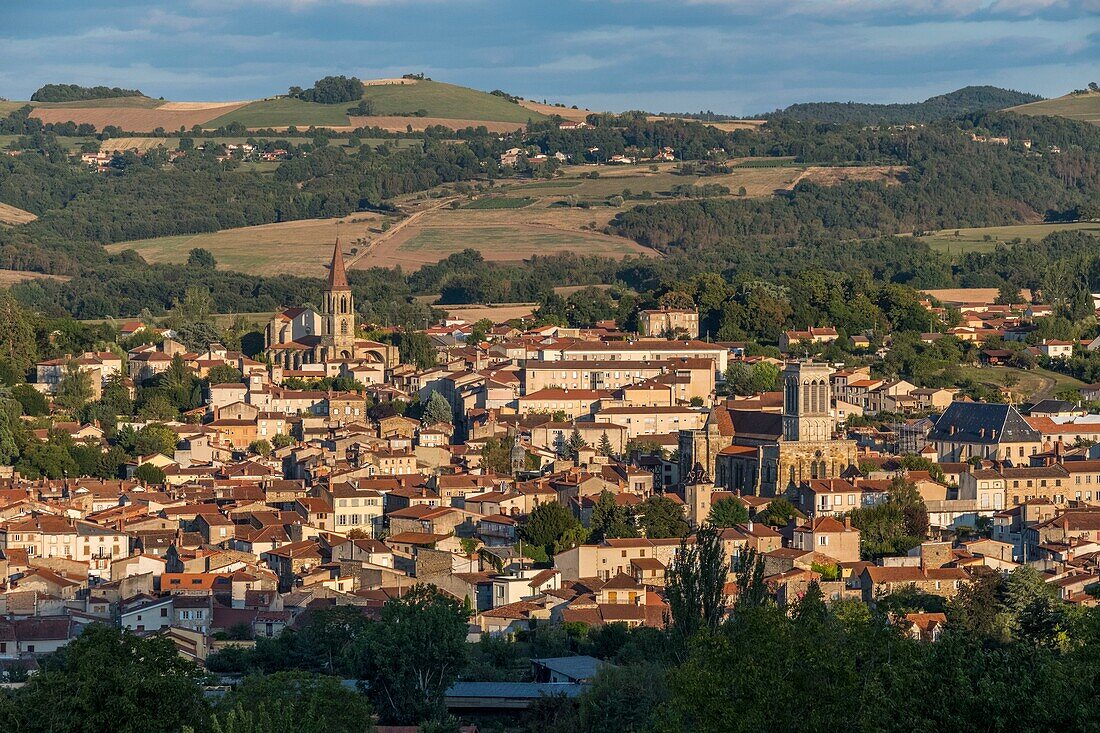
(578, 668)
(981, 422)
(1051, 406)
(513, 690)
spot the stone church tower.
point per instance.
(338, 310)
(807, 401)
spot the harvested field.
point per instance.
(959, 296)
(132, 119)
(396, 123)
(14, 216)
(194, 106)
(832, 175)
(495, 313)
(566, 113)
(725, 126)
(422, 244)
(1083, 107)
(387, 82)
(288, 248)
(141, 144)
(11, 277)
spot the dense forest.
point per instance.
(77, 93)
(959, 102)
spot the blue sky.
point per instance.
(731, 56)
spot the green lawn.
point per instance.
(445, 100)
(283, 112)
(985, 239)
(1083, 107)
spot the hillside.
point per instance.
(961, 101)
(392, 104)
(1084, 106)
(411, 99)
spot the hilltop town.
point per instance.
(394, 405)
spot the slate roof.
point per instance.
(979, 422)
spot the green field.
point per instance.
(6, 107)
(283, 112)
(128, 102)
(986, 239)
(499, 202)
(436, 99)
(1031, 384)
(445, 100)
(1083, 107)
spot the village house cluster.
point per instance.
(353, 505)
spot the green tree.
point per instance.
(609, 520)
(696, 586)
(149, 474)
(224, 374)
(413, 654)
(282, 440)
(728, 512)
(18, 345)
(574, 445)
(552, 527)
(437, 409)
(660, 517)
(778, 513)
(111, 680)
(74, 389)
(155, 438)
(604, 447)
(260, 447)
(201, 258)
(33, 402)
(293, 702)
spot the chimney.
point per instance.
(748, 526)
(847, 522)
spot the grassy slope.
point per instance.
(1084, 107)
(974, 240)
(283, 112)
(446, 101)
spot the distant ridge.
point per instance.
(952, 104)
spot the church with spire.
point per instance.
(324, 343)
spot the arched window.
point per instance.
(344, 304)
(344, 328)
(806, 396)
(823, 396)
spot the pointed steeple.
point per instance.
(337, 278)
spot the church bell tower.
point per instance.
(807, 398)
(338, 316)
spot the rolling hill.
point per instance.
(393, 104)
(1084, 106)
(961, 101)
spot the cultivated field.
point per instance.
(293, 247)
(114, 102)
(281, 112)
(726, 126)
(566, 113)
(133, 119)
(516, 220)
(986, 239)
(14, 216)
(1083, 107)
(495, 313)
(11, 277)
(395, 123)
(960, 296)
(141, 144)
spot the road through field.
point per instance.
(411, 218)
